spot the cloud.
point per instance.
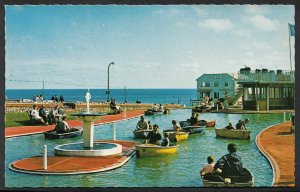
(256, 9)
(242, 33)
(263, 23)
(217, 24)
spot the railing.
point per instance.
(266, 76)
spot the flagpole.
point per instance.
(290, 46)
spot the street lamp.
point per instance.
(107, 92)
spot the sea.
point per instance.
(159, 96)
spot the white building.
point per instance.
(216, 85)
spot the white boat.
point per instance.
(215, 180)
(233, 133)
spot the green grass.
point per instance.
(22, 119)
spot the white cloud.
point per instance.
(217, 24)
(242, 33)
(256, 9)
(263, 23)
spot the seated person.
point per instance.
(161, 107)
(116, 109)
(210, 104)
(154, 137)
(62, 126)
(154, 107)
(176, 127)
(52, 115)
(34, 114)
(195, 120)
(61, 112)
(166, 141)
(142, 124)
(43, 114)
(242, 124)
(231, 164)
(229, 126)
(209, 167)
(149, 124)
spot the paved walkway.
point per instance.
(29, 130)
(65, 165)
(278, 145)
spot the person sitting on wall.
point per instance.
(43, 114)
(161, 107)
(116, 109)
(34, 115)
(52, 115)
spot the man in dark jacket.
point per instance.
(154, 137)
(43, 114)
(230, 164)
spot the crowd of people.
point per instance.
(54, 98)
(56, 116)
(208, 104)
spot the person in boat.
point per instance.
(154, 107)
(34, 114)
(52, 115)
(149, 124)
(43, 114)
(154, 137)
(62, 126)
(195, 120)
(229, 126)
(231, 164)
(142, 124)
(176, 127)
(166, 141)
(241, 125)
(209, 167)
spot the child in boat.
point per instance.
(166, 141)
(229, 126)
(209, 167)
(175, 126)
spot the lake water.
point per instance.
(178, 170)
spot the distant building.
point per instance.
(267, 90)
(216, 85)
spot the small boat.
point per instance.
(150, 150)
(233, 133)
(193, 129)
(153, 112)
(177, 136)
(54, 135)
(200, 110)
(141, 134)
(216, 180)
(208, 123)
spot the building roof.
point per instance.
(231, 75)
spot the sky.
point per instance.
(161, 46)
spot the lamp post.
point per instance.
(107, 92)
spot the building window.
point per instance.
(226, 84)
(205, 84)
(216, 84)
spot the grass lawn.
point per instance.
(21, 119)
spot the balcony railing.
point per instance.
(266, 76)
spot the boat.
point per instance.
(141, 134)
(177, 136)
(233, 133)
(150, 150)
(153, 112)
(200, 110)
(208, 123)
(193, 129)
(216, 180)
(54, 135)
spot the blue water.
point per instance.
(179, 170)
(163, 96)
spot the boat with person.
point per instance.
(208, 123)
(54, 135)
(233, 133)
(175, 136)
(167, 111)
(150, 150)
(217, 180)
(187, 127)
(153, 112)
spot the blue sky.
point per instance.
(152, 46)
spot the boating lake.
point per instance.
(178, 170)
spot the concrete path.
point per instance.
(277, 143)
(29, 130)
